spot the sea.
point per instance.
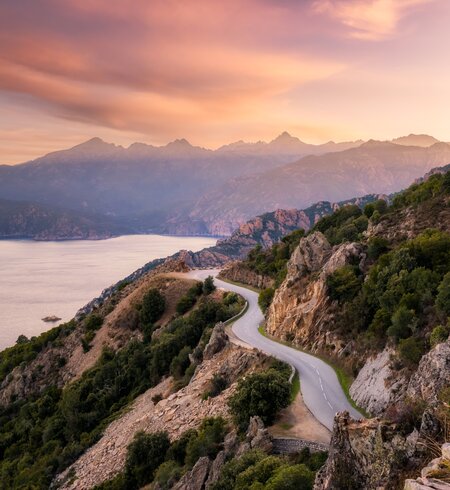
(39, 279)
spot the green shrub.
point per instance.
(22, 339)
(345, 224)
(262, 394)
(145, 454)
(411, 350)
(218, 384)
(180, 363)
(438, 335)
(313, 460)
(418, 193)
(177, 451)
(230, 298)
(258, 473)
(297, 477)
(185, 304)
(265, 298)
(403, 323)
(208, 285)
(93, 322)
(379, 206)
(187, 301)
(167, 474)
(233, 468)
(344, 283)
(208, 441)
(443, 296)
(376, 246)
(153, 306)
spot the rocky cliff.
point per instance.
(436, 475)
(301, 310)
(238, 272)
(373, 454)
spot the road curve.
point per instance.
(320, 387)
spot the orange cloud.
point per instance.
(372, 20)
(161, 68)
(211, 71)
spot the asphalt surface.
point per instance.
(320, 387)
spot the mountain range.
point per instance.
(185, 189)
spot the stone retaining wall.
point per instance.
(289, 446)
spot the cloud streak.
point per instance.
(372, 20)
(210, 71)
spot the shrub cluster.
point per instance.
(45, 433)
(263, 394)
(255, 469)
(26, 350)
(187, 301)
(152, 458)
(272, 262)
(404, 295)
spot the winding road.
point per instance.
(320, 387)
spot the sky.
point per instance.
(220, 71)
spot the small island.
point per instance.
(52, 318)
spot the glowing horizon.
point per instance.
(216, 73)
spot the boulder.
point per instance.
(196, 478)
(217, 341)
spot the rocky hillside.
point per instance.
(60, 391)
(374, 167)
(183, 189)
(148, 389)
(368, 290)
(174, 413)
(39, 222)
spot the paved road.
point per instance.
(321, 390)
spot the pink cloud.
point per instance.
(371, 20)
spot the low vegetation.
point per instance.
(272, 262)
(264, 394)
(403, 298)
(255, 469)
(43, 434)
(151, 457)
(26, 350)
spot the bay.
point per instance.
(39, 279)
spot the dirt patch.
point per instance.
(297, 421)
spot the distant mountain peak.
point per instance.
(285, 137)
(94, 144)
(284, 134)
(96, 141)
(424, 140)
(179, 143)
(377, 144)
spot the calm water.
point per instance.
(39, 279)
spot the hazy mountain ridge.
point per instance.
(183, 189)
(20, 219)
(373, 167)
